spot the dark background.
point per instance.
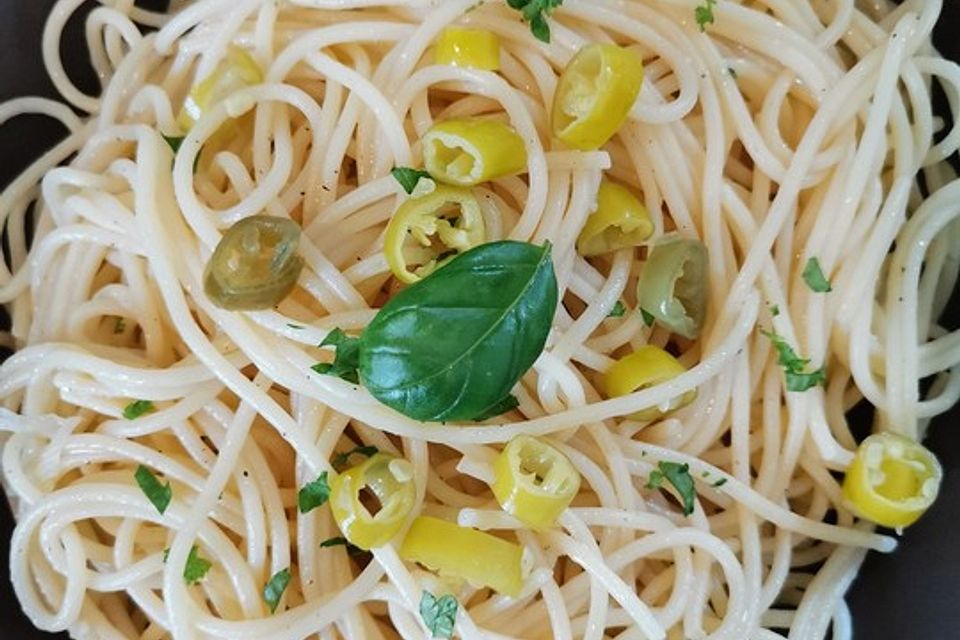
(910, 594)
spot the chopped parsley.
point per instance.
(345, 361)
(795, 367)
(408, 178)
(196, 567)
(704, 14)
(813, 276)
(338, 541)
(618, 310)
(536, 12)
(314, 494)
(648, 318)
(679, 476)
(775, 310)
(298, 327)
(720, 482)
(158, 494)
(439, 614)
(137, 408)
(119, 324)
(341, 459)
(273, 590)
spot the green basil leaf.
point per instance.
(158, 494)
(813, 276)
(273, 590)
(679, 476)
(344, 365)
(341, 459)
(439, 614)
(452, 345)
(502, 406)
(408, 178)
(137, 408)
(313, 494)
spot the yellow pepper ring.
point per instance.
(468, 151)
(646, 367)
(596, 92)
(892, 480)
(237, 71)
(620, 221)
(386, 478)
(471, 48)
(427, 231)
(534, 482)
(482, 559)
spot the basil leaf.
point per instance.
(508, 403)
(439, 614)
(454, 344)
(813, 276)
(274, 589)
(340, 460)
(158, 494)
(408, 178)
(313, 494)
(344, 364)
(196, 567)
(618, 310)
(137, 408)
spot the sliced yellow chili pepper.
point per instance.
(673, 284)
(534, 482)
(427, 231)
(468, 151)
(471, 48)
(383, 478)
(481, 559)
(620, 221)
(646, 367)
(237, 71)
(892, 480)
(596, 92)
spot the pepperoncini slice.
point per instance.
(387, 482)
(255, 265)
(534, 482)
(468, 151)
(646, 367)
(620, 221)
(237, 71)
(471, 48)
(427, 231)
(481, 559)
(596, 92)
(892, 480)
(673, 284)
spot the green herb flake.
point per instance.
(346, 360)
(794, 367)
(408, 178)
(704, 14)
(138, 408)
(175, 142)
(813, 276)
(196, 567)
(314, 494)
(509, 403)
(648, 318)
(439, 614)
(298, 327)
(720, 482)
(119, 324)
(732, 72)
(775, 310)
(340, 541)
(536, 12)
(158, 494)
(273, 590)
(341, 459)
(618, 310)
(679, 476)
